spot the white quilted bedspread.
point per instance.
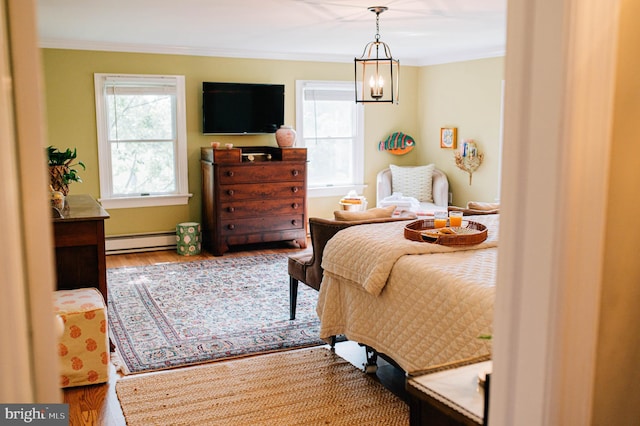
(424, 309)
(365, 254)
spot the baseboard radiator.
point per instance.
(135, 243)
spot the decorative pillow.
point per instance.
(472, 212)
(375, 213)
(477, 205)
(416, 182)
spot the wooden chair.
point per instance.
(306, 266)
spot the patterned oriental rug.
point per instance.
(177, 314)
(304, 387)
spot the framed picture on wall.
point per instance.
(448, 137)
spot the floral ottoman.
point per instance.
(83, 347)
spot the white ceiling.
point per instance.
(419, 32)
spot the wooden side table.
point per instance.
(448, 397)
(79, 244)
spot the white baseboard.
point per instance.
(133, 243)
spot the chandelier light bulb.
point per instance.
(376, 86)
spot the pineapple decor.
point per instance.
(62, 168)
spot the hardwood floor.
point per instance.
(165, 256)
(99, 405)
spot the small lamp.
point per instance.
(376, 72)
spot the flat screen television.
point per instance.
(242, 108)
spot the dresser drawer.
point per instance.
(261, 191)
(269, 172)
(262, 224)
(244, 209)
(77, 233)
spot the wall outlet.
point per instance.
(450, 197)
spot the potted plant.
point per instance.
(62, 169)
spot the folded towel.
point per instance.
(399, 201)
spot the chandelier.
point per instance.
(376, 72)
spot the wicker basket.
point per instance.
(423, 231)
(56, 178)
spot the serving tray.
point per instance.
(423, 231)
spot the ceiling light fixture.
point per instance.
(376, 72)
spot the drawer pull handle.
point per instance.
(229, 173)
(294, 222)
(230, 191)
(295, 172)
(295, 205)
(231, 227)
(294, 189)
(231, 209)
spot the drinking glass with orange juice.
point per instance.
(455, 219)
(439, 219)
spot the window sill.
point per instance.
(145, 201)
(334, 191)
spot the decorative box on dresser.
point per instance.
(253, 195)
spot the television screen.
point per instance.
(242, 108)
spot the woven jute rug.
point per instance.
(298, 387)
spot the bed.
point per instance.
(422, 305)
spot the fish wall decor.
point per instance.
(397, 143)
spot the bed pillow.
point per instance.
(375, 213)
(470, 212)
(477, 205)
(415, 182)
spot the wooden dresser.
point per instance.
(253, 195)
(79, 244)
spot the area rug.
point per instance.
(302, 387)
(177, 314)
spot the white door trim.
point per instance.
(558, 108)
(30, 252)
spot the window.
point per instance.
(331, 126)
(142, 146)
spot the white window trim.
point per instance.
(182, 178)
(335, 190)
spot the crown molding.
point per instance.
(52, 43)
(49, 43)
(494, 52)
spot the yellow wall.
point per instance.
(465, 95)
(71, 117)
(70, 113)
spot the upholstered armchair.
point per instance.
(306, 267)
(415, 176)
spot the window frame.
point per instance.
(358, 148)
(181, 195)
